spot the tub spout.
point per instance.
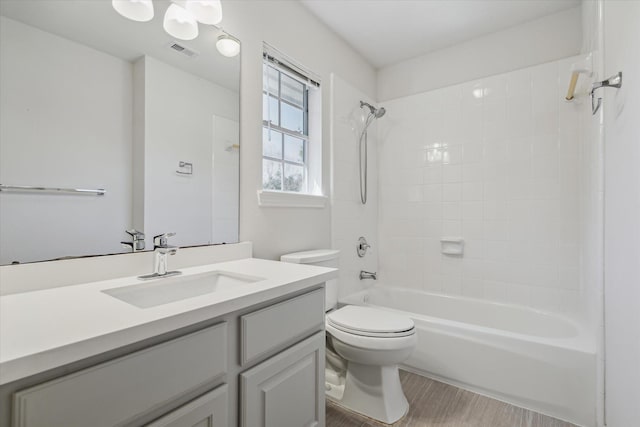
(368, 275)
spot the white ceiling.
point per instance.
(385, 32)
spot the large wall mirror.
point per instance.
(91, 100)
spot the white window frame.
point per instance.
(304, 135)
(311, 196)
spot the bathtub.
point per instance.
(529, 358)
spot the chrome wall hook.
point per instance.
(613, 81)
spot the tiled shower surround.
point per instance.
(497, 162)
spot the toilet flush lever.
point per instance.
(362, 247)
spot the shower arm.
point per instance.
(614, 81)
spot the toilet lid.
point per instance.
(370, 321)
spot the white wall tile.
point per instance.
(502, 163)
(451, 173)
(452, 154)
(432, 175)
(472, 288)
(473, 248)
(472, 152)
(472, 230)
(451, 228)
(451, 192)
(472, 191)
(451, 211)
(472, 210)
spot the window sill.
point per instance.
(281, 199)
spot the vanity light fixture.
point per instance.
(136, 10)
(180, 23)
(228, 46)
(205, 11)
(181, 19)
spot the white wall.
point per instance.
(494, 161)
(289, 27)
(546, 39)
(622, 213)
(180, 112)
(350, 219)
(46, 84)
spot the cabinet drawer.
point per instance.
(275, 326)
(116, 392)
(208, 410)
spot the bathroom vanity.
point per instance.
(248, 354)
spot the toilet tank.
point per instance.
(321, 258)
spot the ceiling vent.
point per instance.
(183, 49)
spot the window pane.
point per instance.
(293, 149)
(270, 113)
(292, 91)
(292, 118)
(293, 177)
(271, 147)
(271, 175)
(271, 78)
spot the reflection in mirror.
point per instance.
(92, 100)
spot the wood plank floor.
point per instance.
(435, 404)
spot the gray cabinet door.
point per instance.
(286, 390)
(209, 410)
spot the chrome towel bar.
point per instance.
(30, 188)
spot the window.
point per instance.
(291, 154)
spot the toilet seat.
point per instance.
(370, 328)
(372, 343)
(370, 322)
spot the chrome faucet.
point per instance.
(368, 275)
(137, 240)
(161, 249)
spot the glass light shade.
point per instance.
(180, 23)
(136, 10)
(206, 11)
(228, 46)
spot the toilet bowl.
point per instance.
(364, 347)
(373, 342)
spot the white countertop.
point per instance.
(44, 329)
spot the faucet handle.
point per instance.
(362, 247)
(137, 240)
(160, 241)
(135, 234)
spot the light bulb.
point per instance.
(205, 11)
(180, 23)
(136, 10)
(228, 46)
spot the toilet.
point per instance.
(364, 347)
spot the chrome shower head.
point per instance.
(375, 112)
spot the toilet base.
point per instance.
(374, 391)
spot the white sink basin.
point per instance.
(177, 288)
